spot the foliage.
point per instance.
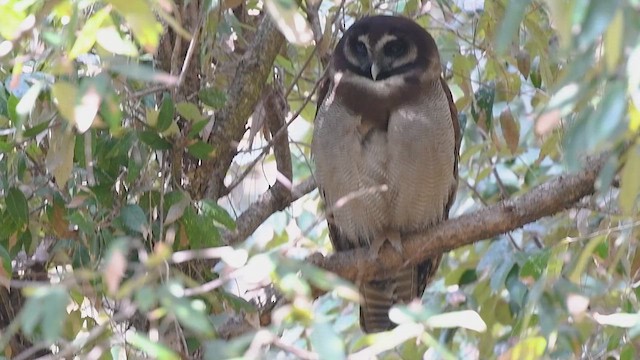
(102, 130)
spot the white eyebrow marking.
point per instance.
(384, 40)
(364, 39)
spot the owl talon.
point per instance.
(392, 236)
(395, 240)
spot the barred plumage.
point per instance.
(386, 143)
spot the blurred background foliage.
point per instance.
(109, 250)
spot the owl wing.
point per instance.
(427, 270)
(338, 241)
(458, 140)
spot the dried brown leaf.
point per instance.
(114, 271)
(510, 130)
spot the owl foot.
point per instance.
(392, 236)
(316, 258)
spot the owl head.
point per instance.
(386, 48)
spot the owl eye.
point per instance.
(395, 48)
(360, 48)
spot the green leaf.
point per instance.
(319, 278)
(196, 128)
(3, 102)
(134, 218)
(482, 109)
(468, 276)
(165, 116)
(502, 312)
(59, 159)
(285, 63)
(111, 40)
(6, 147)
(201, 150)
(110, 110)
(218, 213)
(536, 78)
(585, 258)
(498, 260)
(53, 320)
(17, 206)
(28, 100)
(200, 231)
(517, 290)
(5, 259)
(326, 341)
(154, 140)
(599, 15)
(190, 313)
(630, 181)
(46, 309)
(146, 298)
(151, 348)
(82, 221)
(144, 73)
(528, 349)
(628, 352)
(140, 17)
(467, 319)
(237, 303)
(79, 104)
(599, 126)
(614, 40)
(189, 111)
(224, 349)
(213, 97)
(87, 36)
(12, 103)
(623, 320)
(36, 130)
(292, 24)
(535, 265)
(176, 210)
(510, 23)
(10, 19)
(64, 94)
(463, 64)
(291, 284)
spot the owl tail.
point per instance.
(379, 295)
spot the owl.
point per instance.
(386, 146)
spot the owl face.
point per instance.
(379, 48)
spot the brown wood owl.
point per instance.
(386, 143)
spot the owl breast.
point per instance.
(395, 178)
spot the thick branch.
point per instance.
(268, 203)
(545, 200)
(231, 120)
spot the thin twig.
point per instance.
(30, 352)
(75, 347)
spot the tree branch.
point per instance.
(268, 203)
(230, 122)
(545, 200)
(275, 106)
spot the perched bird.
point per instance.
(385, 144)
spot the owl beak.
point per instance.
(375, 70)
